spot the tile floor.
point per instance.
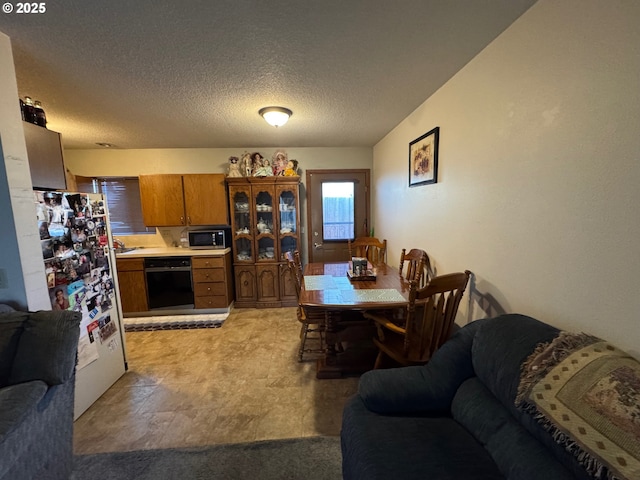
(238, 383)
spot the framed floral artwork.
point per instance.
(423, 159)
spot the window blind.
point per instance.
(125, 207)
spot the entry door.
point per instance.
(338, 211)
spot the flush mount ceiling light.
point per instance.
(105, 145)
(276, 116)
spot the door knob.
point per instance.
(317, 245)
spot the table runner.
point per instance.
(326, 282)
(349, 297)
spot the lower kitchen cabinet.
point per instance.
(133, 285)
(212, 283)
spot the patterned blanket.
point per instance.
(586, 393)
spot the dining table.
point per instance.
(332, 288)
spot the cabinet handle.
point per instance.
(189, 219)
(181, 220)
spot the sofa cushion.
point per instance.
(17, 402)
(423, 389)
(4, 308)
(11, 327)
(410, 447)
(516, 452)
(499, 349)
(47, 349)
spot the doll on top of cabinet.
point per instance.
(279, 162)
(292, 169)
(234, 167)
(246, 165)
(261, 166)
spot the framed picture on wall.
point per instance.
(423, 159)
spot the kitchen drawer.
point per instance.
(129, 264)
(208, 275)
(211, 301)
(207, 262)
(210, 288)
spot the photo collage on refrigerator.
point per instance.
(75, 249)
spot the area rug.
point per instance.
(174, 322)
(312, 458)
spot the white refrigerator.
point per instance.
(80, 272)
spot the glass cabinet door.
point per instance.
(288, 219)
(264, 227)
(241, 224)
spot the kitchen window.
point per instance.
(125, 208)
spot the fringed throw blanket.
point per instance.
(586, 394)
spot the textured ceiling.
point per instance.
(158, 74)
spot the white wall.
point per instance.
(133, 162)
(539, 181)
(22, 278)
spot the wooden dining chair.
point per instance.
(430, 316)
(311, 321)
(418, 266)
(371, 248)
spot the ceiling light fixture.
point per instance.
(105, 145)
(276, 116)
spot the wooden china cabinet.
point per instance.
(265, 225)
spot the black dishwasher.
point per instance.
(169, 284)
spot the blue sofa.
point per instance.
(476, 411)
(38, 354)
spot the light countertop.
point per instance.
(171, 252)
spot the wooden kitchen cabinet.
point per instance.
(170, 200)
(133, 285)
(265, 225)
(44, 151)
(212, 281)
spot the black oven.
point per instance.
(169, 284)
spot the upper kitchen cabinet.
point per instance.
(171, 200)
(44, 150)
(205, 199)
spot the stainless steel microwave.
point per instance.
(208, 239)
